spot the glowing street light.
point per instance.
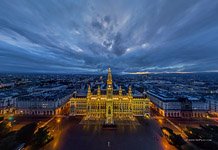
(11, 118)
(58, 120)
(160, 121)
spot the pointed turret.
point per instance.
(130, 91)
(89, 91)
(99, 91)
(120, 91)
(109, 76)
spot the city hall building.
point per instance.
(109, 104)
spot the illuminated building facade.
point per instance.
(110, 104)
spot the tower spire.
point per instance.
(109, 76)
(130, 91)
(99, 90)
(89, 90)
(109, 84)
(120, 91)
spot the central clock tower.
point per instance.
(109, 84)
(109, 102)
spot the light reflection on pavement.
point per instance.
(72, 135)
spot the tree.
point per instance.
(9, 142)
(202, 134)
(174, 139)
(25, 134)
(212, 130)
(41, 137)
(4, 129)
(1, 118)
(177, 140)
(167, 129)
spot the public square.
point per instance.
(69, 134)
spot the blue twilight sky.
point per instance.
(77, 36)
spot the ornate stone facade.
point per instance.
(110, 104)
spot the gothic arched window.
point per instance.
(109, 110)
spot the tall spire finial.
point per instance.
(109, 76)
(99, 90)
(130, 91)
(120, 91)
(89, 90)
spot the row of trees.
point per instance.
(28, 135)
(172, 138)
(205, 137)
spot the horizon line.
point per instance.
(95, 73)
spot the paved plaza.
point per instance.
(71, 134)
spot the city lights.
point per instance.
(109, 74)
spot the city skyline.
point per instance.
(90, 36)
(115, 74)
(164, 111)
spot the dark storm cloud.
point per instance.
(118, 48)
(87, 36)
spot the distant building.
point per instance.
(7, 105)
(49, 102)
(213, 104)
(28, 106)
(109, 104)
(178, 107)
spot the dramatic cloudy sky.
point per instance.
(90, 35)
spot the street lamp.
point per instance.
(160, 121)
(58, 120)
